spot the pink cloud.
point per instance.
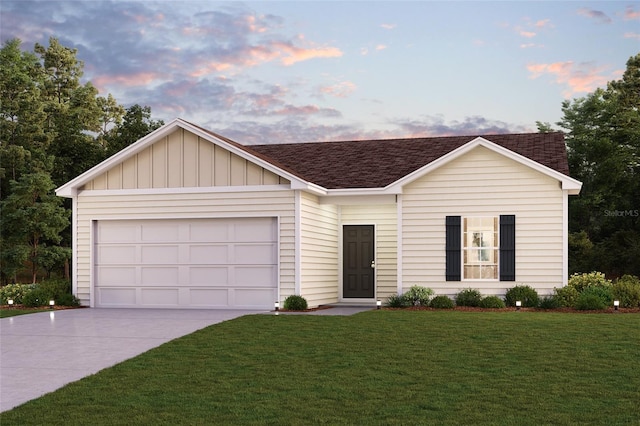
(339, 90)
(527, 34)
(631, 14)
(543, 23)
(381, 47)
(580, 78)
(598, 15)
(137, 79)
(291, 54)
(632, 35)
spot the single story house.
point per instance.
(186, 218)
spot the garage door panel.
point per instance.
(209, 276)
(154, 276)
(209, 297)
(116, 275)
(209, 254)
(117, 255)
(262, 254)
(152, 254)
(159, 297)
(186, 263)
(116, 297)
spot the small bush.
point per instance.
(565, 296)
(14, 292)
(36, 298)
(592, 279)
(396, 301)
(524, 293)
(418, 296)
(493, 302)
(627, 291)
(295, 303)
(603, 293)
(468, 297)
(588, 301)
(550, 302)
(441, 302)
(67, 299)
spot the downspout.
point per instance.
(298, 242)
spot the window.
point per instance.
(480, 248)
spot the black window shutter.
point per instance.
(453, 249)
(507, 247)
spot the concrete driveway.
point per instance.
(44, 351)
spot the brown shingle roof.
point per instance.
(378, 163)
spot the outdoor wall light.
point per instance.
(10, 302)
(518, 305)
(277, 306)
(616, 304)
(52, 303)
(378, 304)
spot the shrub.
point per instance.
(468, 297)
(441, 302)
(565, 296)
(527, 295)
(35, 298)
(396, 301)
(295, 303)
(592, 279)
(493, 302)
(588, 301)
(550, 302)
(603, 293)
(67, 299)
(418, 296)
(14, 292)
(627, 291)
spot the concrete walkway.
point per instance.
(44, 351)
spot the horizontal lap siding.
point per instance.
(483, 183)
(176, 206)
(384, 217)
(319, 251)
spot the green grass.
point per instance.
(11, 312)
(378, 367)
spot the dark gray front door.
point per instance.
(358, 262)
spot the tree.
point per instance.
(603, 144)
(32, 219)
(137, 123)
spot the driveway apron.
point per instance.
(44, 351)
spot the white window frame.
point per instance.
(492, 251)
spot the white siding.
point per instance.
(278, 204)
(384, 217)
(319, 251)
(483, 183)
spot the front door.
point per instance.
(358, 262)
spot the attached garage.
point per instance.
(186, 263)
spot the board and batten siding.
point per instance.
(384, 217)
(319, 251)
(184, 160)
(181, 205)
(483, 183)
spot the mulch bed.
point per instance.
(559, 310)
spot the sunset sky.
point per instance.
(271, 71)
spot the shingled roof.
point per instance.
(378, 163)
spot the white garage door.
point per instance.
(194, 263)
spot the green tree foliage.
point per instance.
(53, 127)
(603, 141)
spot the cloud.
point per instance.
(339, 90)
(580, 78)
(527, 34)
(631, 14)
(632, 35)
(596, 15)
(471, 125)
(543, 23)
(381, 46)
(388, 26)
(530, 45)
(291, 54)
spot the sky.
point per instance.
(297, 71)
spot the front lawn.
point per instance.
(12, 312)
(378, 367)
